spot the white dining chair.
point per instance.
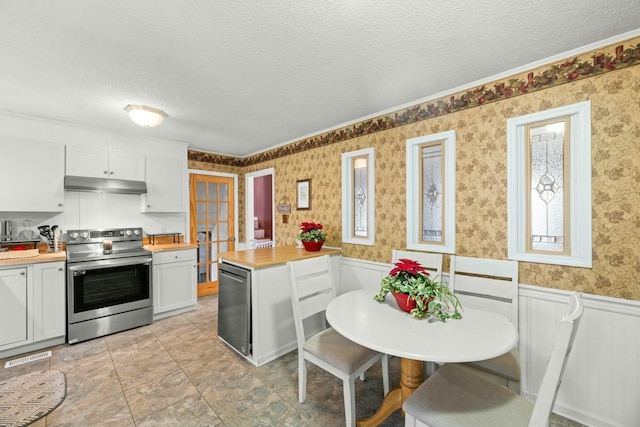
(431, 261)
(312, 288)
(491, 285)
(456, 396)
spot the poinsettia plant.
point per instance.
(312, 232)
(433, 298)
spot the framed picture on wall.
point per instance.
(304, 194)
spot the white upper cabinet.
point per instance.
(98, 163)
(166, 184)
(31, 176)
(126, 166)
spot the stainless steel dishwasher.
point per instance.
(234, 307)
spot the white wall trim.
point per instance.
(577, 182)
(249, 193)
(348, 222)
(366, 263)
(414, 198)
(599, 302)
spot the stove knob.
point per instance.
(128, 233)
(136, 232)
(74, 236)
(84, 234)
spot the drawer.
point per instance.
(167, 257)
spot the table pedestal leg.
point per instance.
(410, 379)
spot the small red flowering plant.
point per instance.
(433, 299)
(312, 232)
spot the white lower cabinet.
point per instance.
(32, 307)
(13, 307)
(174, 282)
(49, 301)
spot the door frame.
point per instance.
(249, 193)
(235, 202)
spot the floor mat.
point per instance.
(27, 398)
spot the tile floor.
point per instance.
(176, 372)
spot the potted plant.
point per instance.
(418, 293)
(312, 236)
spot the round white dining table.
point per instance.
(479, 335)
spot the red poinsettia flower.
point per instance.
(305, 227)
(311, 231)
(408, 266)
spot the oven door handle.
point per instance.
(95, 265)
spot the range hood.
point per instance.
(122, 186)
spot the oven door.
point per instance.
(106, 287)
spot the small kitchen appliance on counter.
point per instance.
(5, 230)
(108, 282)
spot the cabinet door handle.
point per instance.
(111, 173)
(22, 273)
(61, 269)
(106, 172)
(59, 205)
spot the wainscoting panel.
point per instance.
(601, 385)
(359, 274)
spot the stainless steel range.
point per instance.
(108, 282)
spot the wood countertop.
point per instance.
(41, 257)
(265, 257)
(161, 247)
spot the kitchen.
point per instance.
(96, 218)
(74, 216)
(173, 337)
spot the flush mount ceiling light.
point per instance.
(144, 116)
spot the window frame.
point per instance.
(414, 205)
(578, 244)
(348, 212)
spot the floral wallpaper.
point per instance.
(607, 77)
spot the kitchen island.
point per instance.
(262, 300)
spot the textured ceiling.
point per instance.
(238, 77)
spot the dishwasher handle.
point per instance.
(234, 277)
(236, 273)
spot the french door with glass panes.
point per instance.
(212, 225)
